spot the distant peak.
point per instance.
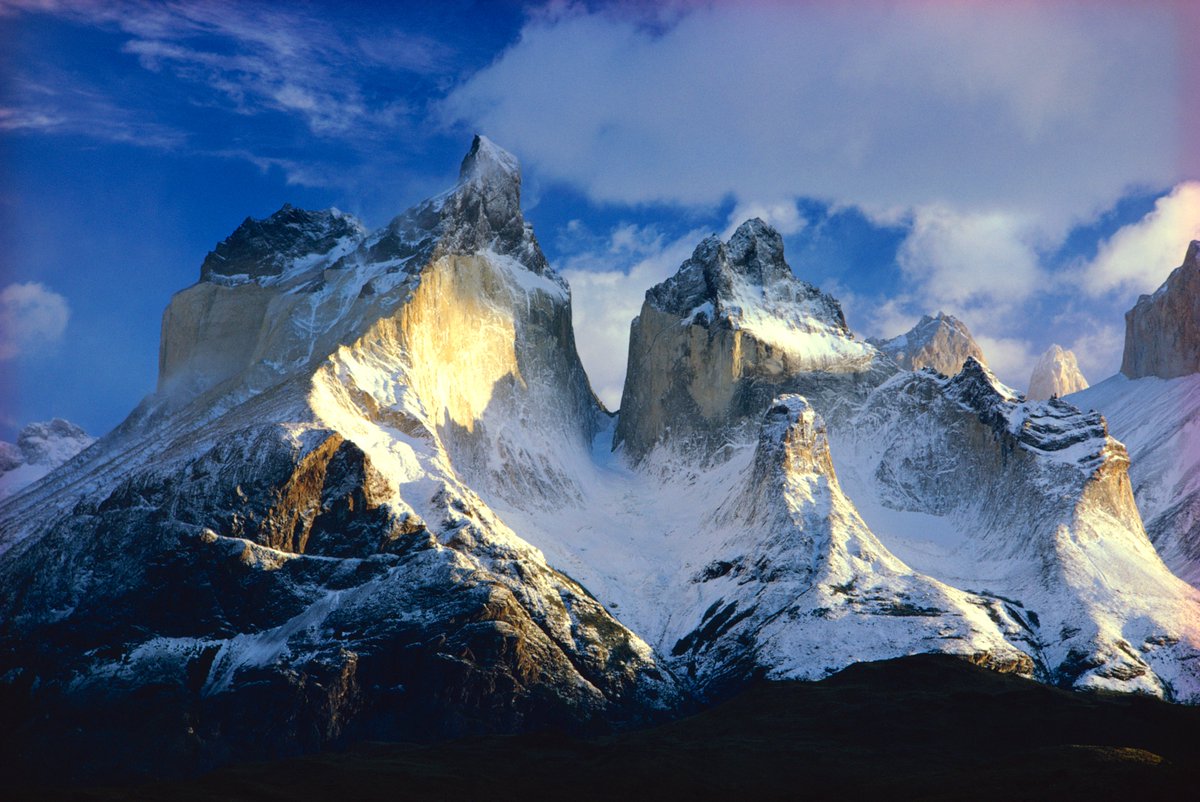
(1056, 374)
(487, 160)
(941, 341)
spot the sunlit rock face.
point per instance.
(731, 329)
(287, 547)
(1162, 331)
(40, 448)
(942, 342)
(1056, 374)
(374, 497)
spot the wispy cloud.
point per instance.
(250, 59)
(64, 108)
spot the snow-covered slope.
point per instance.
(1055, 375)
(40, 448)
(1029, 503)
(285, 551)
(942, 342)
(1158, 420)
(375, 497)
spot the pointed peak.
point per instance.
(975, 374)
(756, 249)
(486, 160)
(1193, 254)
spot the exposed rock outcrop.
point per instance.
(732, 329)
(1056, 374)
(1030, 503)
(288, 546)
(1162, 331)
(942, 342)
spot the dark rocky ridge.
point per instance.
(263, 248)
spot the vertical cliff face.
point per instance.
(717, 341)
(292, 544)
(1056, 374)
(1162, 331)
(942, 342)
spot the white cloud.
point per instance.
(783, 216)
(31, 315)
(885, 105)
(972, 260)
(608, 285)
(1098, 351)
(1139, 256)
(1010, 358)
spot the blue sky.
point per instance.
(1030, 168)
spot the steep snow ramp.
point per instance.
(1031, 504)
(1158, 420)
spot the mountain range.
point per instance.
(375, 498)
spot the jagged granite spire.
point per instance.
(734, 327)
(482, 212)
(1162, 331)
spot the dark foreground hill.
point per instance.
(928, 727)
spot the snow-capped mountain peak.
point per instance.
(285, 242)
(742, 328)
(487, 162)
